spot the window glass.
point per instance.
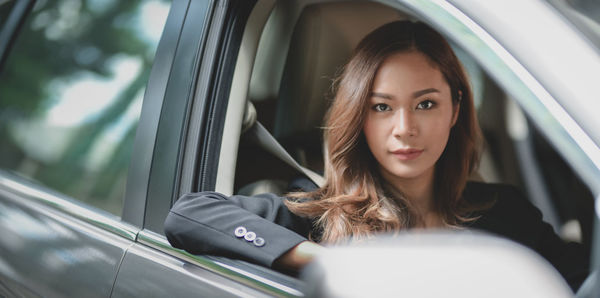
(71, 94)
(5, 8)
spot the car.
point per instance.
(112, 110)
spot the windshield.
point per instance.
(584, 14)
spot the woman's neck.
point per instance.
(419, 193)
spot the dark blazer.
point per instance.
(261, 228)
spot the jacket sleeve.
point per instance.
(258, 229)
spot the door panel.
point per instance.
(46, 252)
(146, 272)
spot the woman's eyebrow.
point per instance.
(424, 91)
(382, 95)
(415, 94)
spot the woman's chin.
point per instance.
(403, 173)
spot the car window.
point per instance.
(294, 115)
(71, 94)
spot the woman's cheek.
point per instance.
(375, 134)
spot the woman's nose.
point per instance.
(404, 124)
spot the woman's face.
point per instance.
(410, 116)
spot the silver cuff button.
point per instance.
(250, 236)
(240, 232)
(259, 242)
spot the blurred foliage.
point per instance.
(30, 67)
(63, 40)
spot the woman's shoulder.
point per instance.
(475, 188)
(501, 200)
(503, 194)
(507, 212)
(513, 216)
(507, 206)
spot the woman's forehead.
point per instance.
(408, 72)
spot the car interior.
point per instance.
(290, 54)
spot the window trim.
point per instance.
(172, 123)
(140, 167)
(218, 94)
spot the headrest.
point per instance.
(323, 40)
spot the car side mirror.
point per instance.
(433, 264)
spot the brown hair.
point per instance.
(355, 200)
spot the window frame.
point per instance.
(147, 164)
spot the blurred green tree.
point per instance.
(62, 41)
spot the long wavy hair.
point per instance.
(355, 200)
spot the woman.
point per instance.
(402, 140)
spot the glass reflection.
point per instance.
(52, 255)
(71, 94)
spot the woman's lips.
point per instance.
(407, 154)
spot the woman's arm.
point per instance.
(259, 229)
(299, 256)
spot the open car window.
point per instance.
(289, 92)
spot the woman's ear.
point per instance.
(456, 108)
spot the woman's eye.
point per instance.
(381, 107)
(425, 105)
